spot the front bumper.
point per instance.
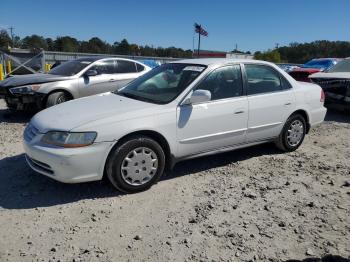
(67, 165)
(24, 101)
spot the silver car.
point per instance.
(70, 80)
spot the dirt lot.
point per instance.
(254, 204)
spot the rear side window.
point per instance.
(139, 67)
(223, 82)
(262, 79)
(126, 67)
(104, 67)
(285, 83)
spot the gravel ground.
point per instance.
(255, 204)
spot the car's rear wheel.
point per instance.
(293, 133)
(136, 164)
(57, 98)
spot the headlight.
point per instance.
(28, 90)
(68, 139)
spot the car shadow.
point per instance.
(214, 161)
(22, 188)
(338, 116)
(326, 258)
(7, 116)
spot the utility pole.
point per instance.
(11, 32)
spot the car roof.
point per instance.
(97, 58)
(218, 61)
(325, 59)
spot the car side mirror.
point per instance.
(198, 96)
(91, 72)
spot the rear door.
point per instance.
(219, 123)
(271, 100)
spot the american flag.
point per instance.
(199, 29)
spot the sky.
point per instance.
(251, 24)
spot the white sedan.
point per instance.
(177, 111)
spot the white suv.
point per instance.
(177, 111)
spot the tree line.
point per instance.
(303, 52)
(292, 53)
(37, 43)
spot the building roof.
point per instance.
(214, 61)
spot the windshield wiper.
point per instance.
(140, 98)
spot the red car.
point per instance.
(311, 67)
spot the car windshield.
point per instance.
(320, 64)
(70, 68)
(162, 84)
(342, 66)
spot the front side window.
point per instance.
(224, 82)
(262, 79)
(124, 66)
(162, 84)
(104, 67)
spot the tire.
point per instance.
(286, 142)
(57, 98)
(130, 172)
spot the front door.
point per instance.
(219, 123)
(103, 82)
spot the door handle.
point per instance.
(288, 104)
(112, 80)
(239, 112)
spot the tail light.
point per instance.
(322, 96)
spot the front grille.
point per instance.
(30, 132)
(3, 91)
(40, 165)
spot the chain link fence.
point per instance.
(19, 61)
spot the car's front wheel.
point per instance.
(293, 133)
(57, 98)
(136, 164)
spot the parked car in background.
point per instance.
(150, 62)
(177, 111)
(336, 84)
(70, 80)
(311, 67)
(288, 67)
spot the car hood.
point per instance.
(339, 75)
(21, 80)
(75, 113)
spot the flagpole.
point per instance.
(199, 40)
